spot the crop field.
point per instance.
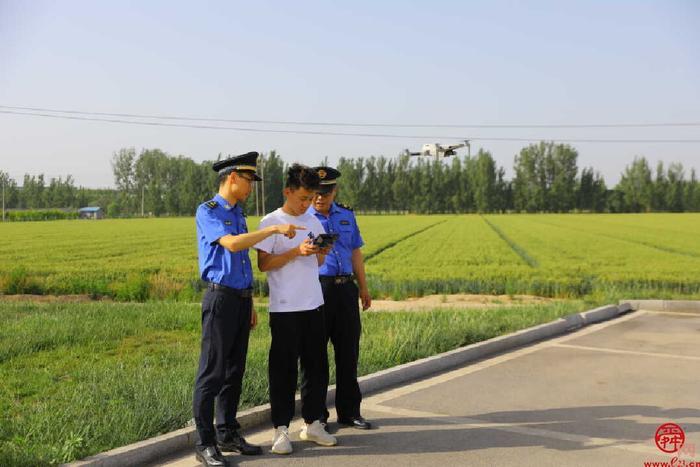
(543, 254)
(62, 363)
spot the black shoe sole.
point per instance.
(352, 425)
(225, 448)
(203, 462)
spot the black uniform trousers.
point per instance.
(343, 328)
(225, 332)
(297, 336)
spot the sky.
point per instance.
(389, 62)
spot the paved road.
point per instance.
(590, 398)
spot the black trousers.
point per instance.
(225, 332)
(296, 336)
(343, 328)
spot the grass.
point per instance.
(564, 256)
(80, 378)
(77, 379)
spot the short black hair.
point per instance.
(224, 173)
(301, 176)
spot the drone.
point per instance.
(439, 151)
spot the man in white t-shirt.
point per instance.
(296, 318)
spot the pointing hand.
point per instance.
(289, 230)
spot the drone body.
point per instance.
(438, 151)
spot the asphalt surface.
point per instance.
(591, 398)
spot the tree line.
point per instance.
(546, 178)
(155, 184)
(38, 193)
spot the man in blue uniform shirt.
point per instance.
(343, 264)
(227, 308)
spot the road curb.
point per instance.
(686, 306)
(152, 449)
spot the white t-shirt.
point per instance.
(294, 286)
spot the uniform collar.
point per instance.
(225, 204)
(331, 210)
(334, 208)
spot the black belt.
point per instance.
(242, 293)
(337, 280)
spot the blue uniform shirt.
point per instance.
(215, 219)
(341, 221)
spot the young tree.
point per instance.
(10, 193)
(32, 194)
(599, 191)
(503, 192)
(453, 192)
(123, 162)
(636, 186)
(195, 186)
(386, 177)
(691, 200)
(591, 190)
(350, 183)
(274, 170)
(400, 185)
(675, 187)
(615, 201)
(482, 179)
(659, 189)
(368, 192)
(529, 184)
(584, 193)
(150, 180)
(561, 175)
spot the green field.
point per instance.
(80, 378)
(77, 379)
(551, 255)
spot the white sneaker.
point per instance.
(315, 432)
(280, 441)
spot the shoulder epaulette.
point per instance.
(345, 206)
(211, 204)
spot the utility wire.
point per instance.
(347, 124)
(336, 133)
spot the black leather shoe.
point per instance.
(211, 457)
(233, 441)
(356, 422)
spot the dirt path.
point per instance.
(51, 298)
(461, 301)
(429, 302)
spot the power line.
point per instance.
(336, 133)
(348, 124)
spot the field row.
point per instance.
(550, 255)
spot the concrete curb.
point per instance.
(152, 449)
(688, 306)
